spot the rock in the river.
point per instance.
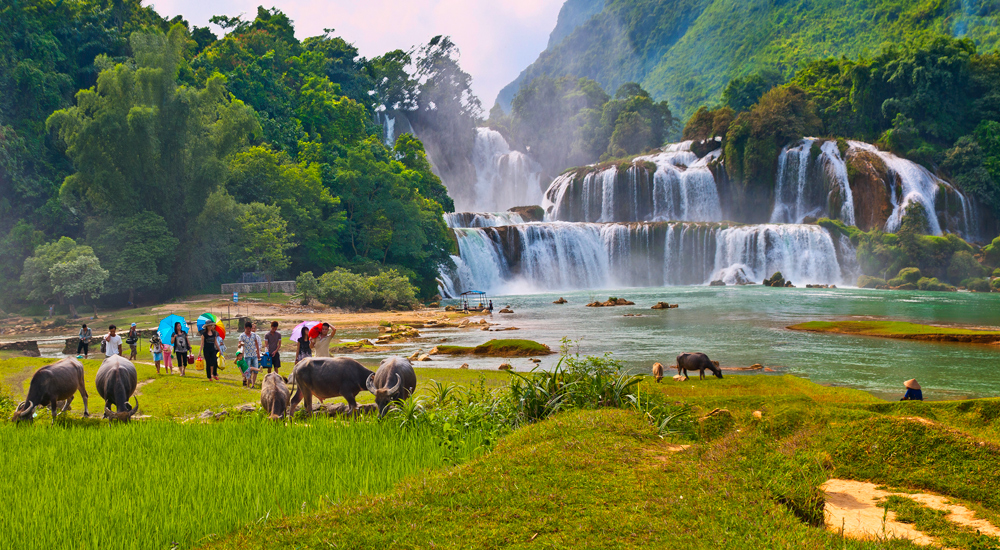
(664, 305)
(450, 308)
(464, 323)
(775, 280)
(464, 366)
(506, 310)
(424, 357)
(561, 300)
(612, 301)
(717, 282)
(29, 349)
(413, 356)
(506, 366)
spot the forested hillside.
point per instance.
(686, 51)
(142, 158)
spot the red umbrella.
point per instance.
(314, 331)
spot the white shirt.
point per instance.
(111, 348)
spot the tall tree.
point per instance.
(263, 241)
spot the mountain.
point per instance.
(686, 51)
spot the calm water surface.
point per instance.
(740, 326)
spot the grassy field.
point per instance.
(604, 479)
(901, 330)
(173, 396)
(152, 484)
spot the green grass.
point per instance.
(500, 348)
(152, 484)
(173, 396)
(900, 329)
(933, 523)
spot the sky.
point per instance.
(497, 39)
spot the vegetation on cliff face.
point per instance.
(687, 51)
(148, 141)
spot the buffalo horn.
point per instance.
(399, 384)
(108, 413)
(371, 383)
(135, 409)
(26, 412)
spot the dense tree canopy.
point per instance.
(154, 145)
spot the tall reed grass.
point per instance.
(161, 484)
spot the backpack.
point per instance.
(104, 346)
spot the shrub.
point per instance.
(995, 283)
(992, 252)
(341, 288)
(307, 286)
(896, 282)
(977, 285)
(866, 281)
(392, 290)
(963, 266)
(931, 283)
(909, 274)
(996, 272)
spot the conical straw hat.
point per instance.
(912, 384)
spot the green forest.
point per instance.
(145, 158)
(686, 51)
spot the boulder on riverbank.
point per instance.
(612, 301)
(665, 305)
(506, 310)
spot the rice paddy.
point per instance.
(163, 484)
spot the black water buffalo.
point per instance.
(51, 384)
(327, 377)
(274, 395)
(396, 371)
(116, 382)
(697, 362)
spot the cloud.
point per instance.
(497, 39)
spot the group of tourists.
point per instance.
(253, 354)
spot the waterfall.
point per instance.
(555, 256)
(482, 219)
(504, 178)
(812, 187)
(390, 131)
(681, 188)
(802, 253)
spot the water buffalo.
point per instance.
(116, 382)
(697, 362)
(274, 395)
(51, 384)
(658, 371)
(327, 377)
(397, 371)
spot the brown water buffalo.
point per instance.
(396, 371)
(51, 384)
(697, 362)
(116, 381)
(658, 371)
(274, 395)
(327, 377)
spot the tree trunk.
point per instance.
(131, 299)
(72, 311)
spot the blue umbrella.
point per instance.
(167, 327)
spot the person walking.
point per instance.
(273, 340)
(181, 346)
(303, 350)
(252, 348)
(86, 335)
(133, 342)
(112, 342)
(210, 351)
(156, 348)
(321, 344)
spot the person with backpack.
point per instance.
(132, 339)
(181, 346)
(156, 348)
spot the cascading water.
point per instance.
(504, 178)
(811, 183)
(559, 255)
(482, 219)
(680, 188)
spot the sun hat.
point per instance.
(133, 324)
(911, 384)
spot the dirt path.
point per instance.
(852, 507)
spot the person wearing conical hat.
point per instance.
(913, 392)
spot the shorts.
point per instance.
(158, 357)
(276, 361)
